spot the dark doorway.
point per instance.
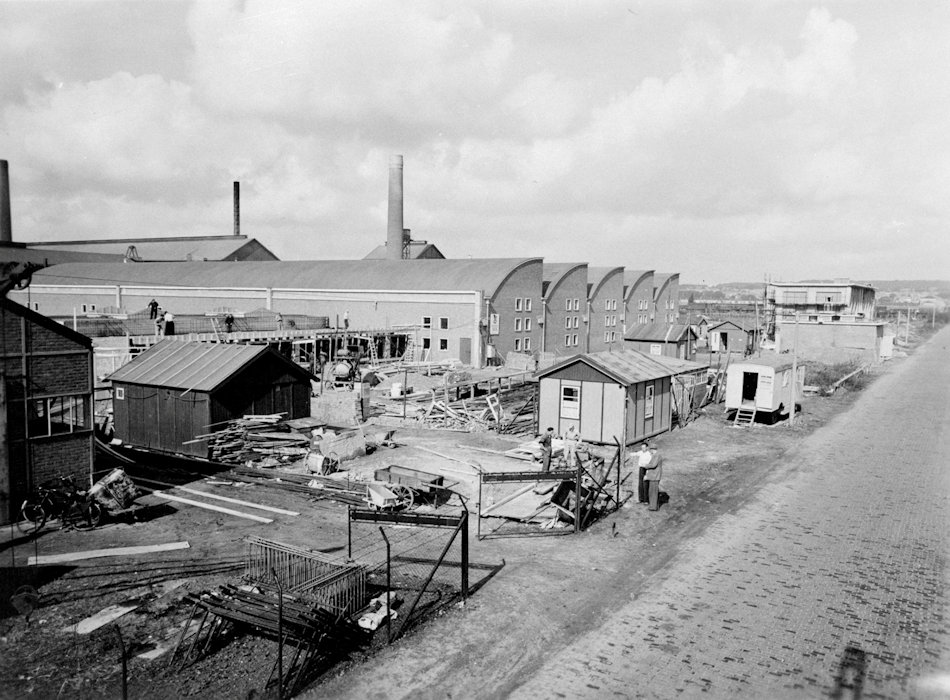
(750, 380)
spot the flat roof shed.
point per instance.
(176, 391)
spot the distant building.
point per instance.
(603, 318)
(820, 301)
(638, 294)
(663, 340)
(666, 297)
(564, 292)
(414, 251)
(171, 249)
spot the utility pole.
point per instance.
(791, 414)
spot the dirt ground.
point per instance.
(711, 468)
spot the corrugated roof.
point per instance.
(180, 365)
(630, 366)
(660, 332)
(19, 253)
(773, 360)
(485, 274)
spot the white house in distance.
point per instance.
(825, 321)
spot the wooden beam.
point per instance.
(113, 552)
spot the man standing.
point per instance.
(643, 459)
(152, 309)
(654, 471)
(545, 442)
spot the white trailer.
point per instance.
(763, 385)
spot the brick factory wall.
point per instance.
(63, 455)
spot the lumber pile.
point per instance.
(321, 487)
(260, 438)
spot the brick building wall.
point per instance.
(521, 289)
(604, 327)
(564, 309)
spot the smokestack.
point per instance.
(237, 208)
(6, 230)
(394, 228)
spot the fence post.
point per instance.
(389, 588)
(464, 534)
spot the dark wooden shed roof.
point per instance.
(628, 367)
(194, 365)
(659, 332)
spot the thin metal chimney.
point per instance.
(394, 228)
(6, 229)
(237, 208)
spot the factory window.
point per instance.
(570, 402)
(88, 308)
(527, 344)
(613, 336)
(607, 320)
(443, 323)
(426, 343)
(789, 297)
(577, 322)
(606, 336)
(517, 344)
(518, 324)
(567, 321)
(36, 306)
(57, 414)
(606, 304)
(518, 304)
(443, 343)
(427, 322)
(577, 304)
(527, 304)
(574, 339)
(648, 402)
(567, 340)
(527, 324)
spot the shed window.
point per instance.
(656, 349)
(120, 393)
(570, 402)
(648, 401)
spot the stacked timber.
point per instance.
(256, 438)
(321, 487)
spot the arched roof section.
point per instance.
(598, 276)
(664, 278)
(632, 279)
(553, 274)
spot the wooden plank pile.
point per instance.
(321, 487)
(256, 438)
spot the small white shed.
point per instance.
(764, 384)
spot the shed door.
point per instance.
(750, 382)
(592, 397)
(465, 350)
(612, 424)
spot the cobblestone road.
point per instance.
(834, 578)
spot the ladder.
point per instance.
(410, 353)
(745, 415)
(373, 356)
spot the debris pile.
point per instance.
(321, 487)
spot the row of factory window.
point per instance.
(610, 336)
(522, 324)
(523, 304)
(54, 415)
(522, 344)
(610, 320)
(610, 304)
(572, 321)
(443, 343)
(443, 322)
(571, 340)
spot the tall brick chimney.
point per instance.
(394, 230)
(6, 229)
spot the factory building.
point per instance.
(604, 308)
(454, 308)
(637, 298)
(171, 249)
(666, 294)
(564, 290)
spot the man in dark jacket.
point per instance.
(545, 442)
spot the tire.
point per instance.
(93, 514)
(32, 518)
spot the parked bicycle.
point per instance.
(58, 499)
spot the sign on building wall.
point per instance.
(493, 324)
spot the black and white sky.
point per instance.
(724, 140)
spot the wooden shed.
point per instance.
(176, 391)
(622, 395)
(729, 336)
(676, 340)
(763, 385)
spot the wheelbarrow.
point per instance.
(388, 496)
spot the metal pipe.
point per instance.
(237, 208)
(280, 636)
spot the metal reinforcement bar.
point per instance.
(498, 477)
(420, 519)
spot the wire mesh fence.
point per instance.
(422, 559)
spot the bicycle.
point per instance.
(58, 498)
